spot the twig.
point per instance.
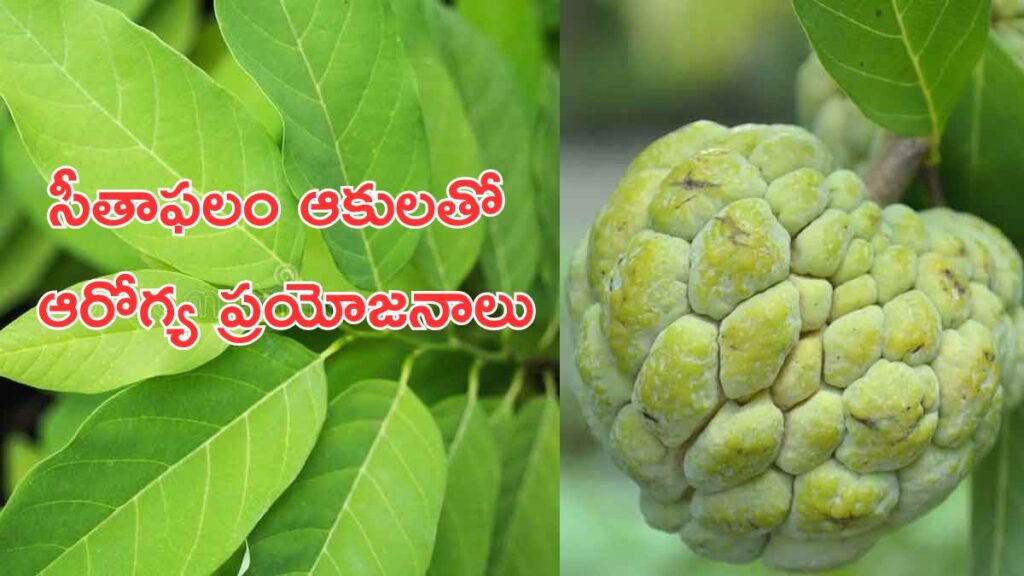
(508, 403)
(890, 175)
(550, 384)
(407, 366)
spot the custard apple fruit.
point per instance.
(785, 368)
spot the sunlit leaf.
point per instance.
(474, 475)
(338, 74)
(129, 112)
(79, 359)
(213, 56)
(22, 182)
(64, 417)
(198, 459)
(369, 498)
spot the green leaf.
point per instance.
(997, 504)
(318, 265)
(904, 63)
(24, 261)
(64, 417)
(540, 337)
(439, 374)
(20, 456)
(471, 498)
(501, 421)
(10, 218)
(550, 13)
(546, 173)
(340, 78)
(65, 271)
(536, 342)
(514, 26)
(176, 22)
(526, 534)
(78, 359)
(133, 9)
(235, 565)
(445, 256)
(500, 388)
(981, 151)
(504, 130)
(168, 477)
(365, 359)
(213, 56)
(98, 246)
(369, 498)
(130, 112)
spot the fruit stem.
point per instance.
(889, 176)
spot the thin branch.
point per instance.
(474, 379)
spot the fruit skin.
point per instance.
(787, 370)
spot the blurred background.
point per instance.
(633, 70)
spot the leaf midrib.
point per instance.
(457, 441)
(521, 490)
(977, 107)
(132, 328)
(430, 231)
(204, 446)
(370, 259)
(916, 63)
(361, 473)
(460, 432)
